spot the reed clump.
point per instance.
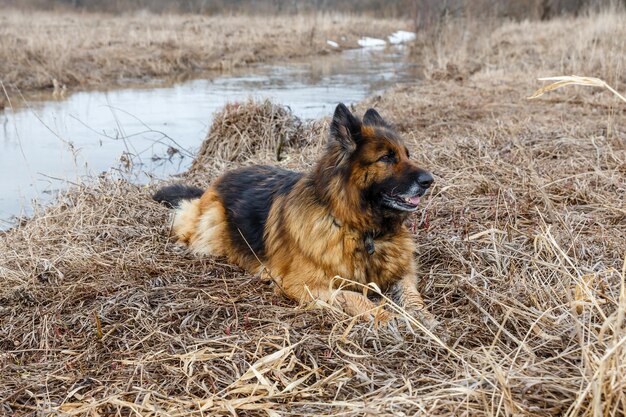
(242, 130)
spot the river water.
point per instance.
(46, 144)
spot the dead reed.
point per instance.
(243, 130)
(592, 44)
(563, 81)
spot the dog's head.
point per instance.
(375, 162)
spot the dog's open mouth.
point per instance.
(401, 202)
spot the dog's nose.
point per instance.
(424, 179)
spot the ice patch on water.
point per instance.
(401, 36)
(367, 42)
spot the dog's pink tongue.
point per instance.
(415, 200)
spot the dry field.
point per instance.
(46, 50)
(593, 46)
(521, 250)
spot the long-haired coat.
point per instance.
(344, 218)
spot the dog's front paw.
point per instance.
(414, 305)
(436, 327)
(426, 318)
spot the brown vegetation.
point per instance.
(520, 249)
(490, 50)
(246, 130)
(424, 11)
(83, 49)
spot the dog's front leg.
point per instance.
(411, 300)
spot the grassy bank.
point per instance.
(520, 248)
(41, 50)
(592, 45)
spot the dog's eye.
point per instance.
(388, 158)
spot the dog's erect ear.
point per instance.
(372, 117)
(345, 128)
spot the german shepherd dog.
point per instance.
(345, 218)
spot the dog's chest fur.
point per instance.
(320, 245)
(382, 260)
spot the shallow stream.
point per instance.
(45, 144)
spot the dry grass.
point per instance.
(252, 130)
(521, 254)
(593, 45)
(37, 48)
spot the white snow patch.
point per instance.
(371, 42)
(332, 43)
(401, 36)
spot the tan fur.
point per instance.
(201, 225)
(315, 232)
(305, 256)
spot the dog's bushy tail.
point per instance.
(172, 195)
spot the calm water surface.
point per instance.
(45, 144)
